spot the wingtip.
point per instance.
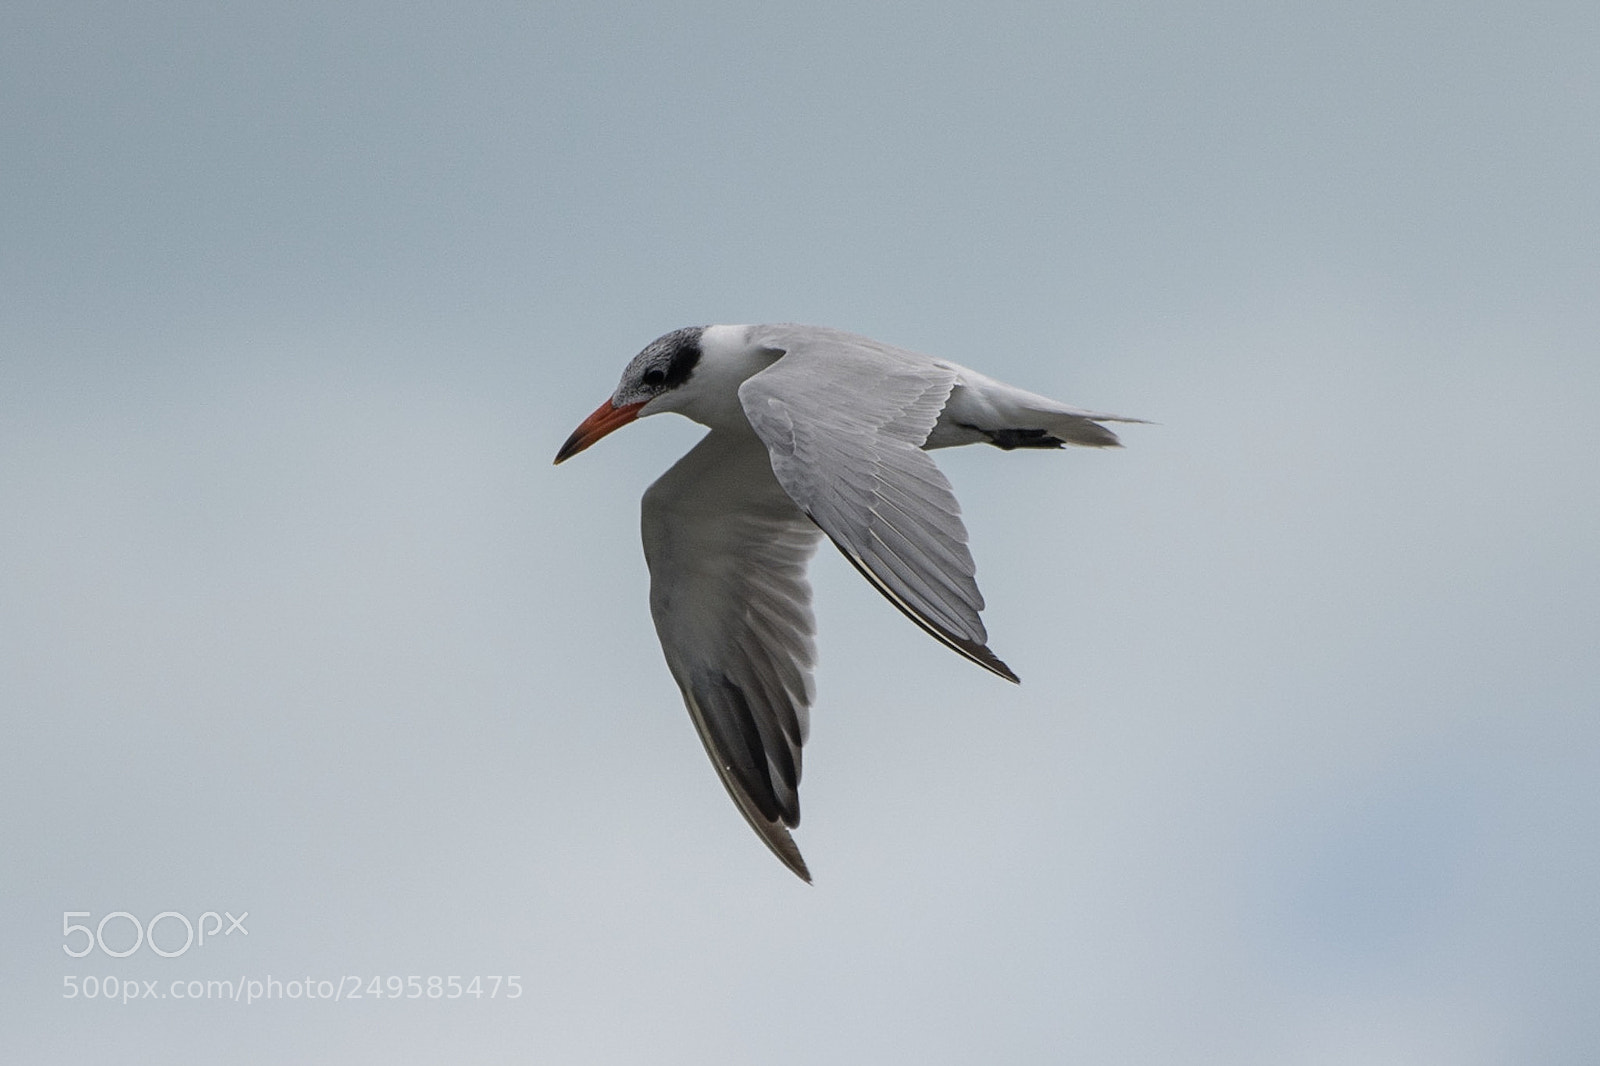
(964, 646)
(773, 833)
(783, 846)
(972, 649)
(980, 654)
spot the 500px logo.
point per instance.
(146, 933)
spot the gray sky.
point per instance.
(297, 619)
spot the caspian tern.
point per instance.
(813, 431)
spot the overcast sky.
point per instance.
(296, 619)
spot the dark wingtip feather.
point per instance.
(778, 841)
(792, 859)
(772, 831)
(980, 654)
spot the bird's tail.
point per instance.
(1047, 424)
(981, 409)
(1081, 427)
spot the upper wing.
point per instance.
(845, 419)
(727, 550)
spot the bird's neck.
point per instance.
(727, 359)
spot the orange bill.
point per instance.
(605, 419)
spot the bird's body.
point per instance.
(813, 431)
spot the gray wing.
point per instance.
(727, 550)
(845, 420)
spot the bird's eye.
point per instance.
(654, 377)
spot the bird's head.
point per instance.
(649, 384)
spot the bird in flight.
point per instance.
(813, 431)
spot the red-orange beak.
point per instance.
(605, 419)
